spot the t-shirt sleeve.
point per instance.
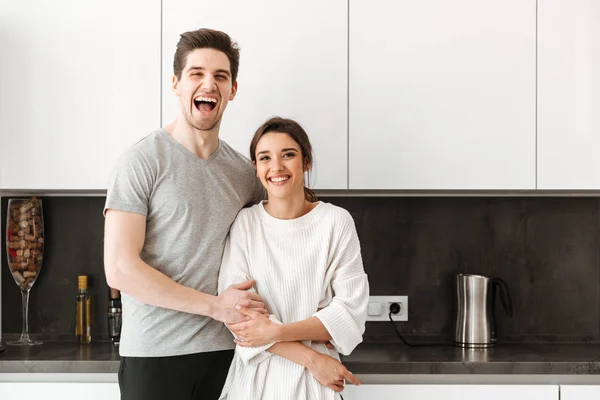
(130, 184)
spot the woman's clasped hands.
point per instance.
(255, 331)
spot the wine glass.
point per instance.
(25, 251)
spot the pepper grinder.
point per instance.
(114, 315)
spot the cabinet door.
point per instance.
(371, 392)
(568, 94)
(451, 392)
(62, 391)
(79, 84)
(442, 94)
(293, 64)
(579, 392)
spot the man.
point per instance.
(170, 203)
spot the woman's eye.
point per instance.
(289, 155)
(264, 158)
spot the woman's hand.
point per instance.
(258, 331)
(330, 372)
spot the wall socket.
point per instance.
(379, 308)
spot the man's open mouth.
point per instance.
(205, 104)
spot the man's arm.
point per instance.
(124, 235)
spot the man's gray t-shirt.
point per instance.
(189, 204)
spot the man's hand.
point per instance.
(237, 295)
(330, 372)
(258, 330)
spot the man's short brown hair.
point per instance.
(203, 39)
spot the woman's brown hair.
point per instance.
(296, 132)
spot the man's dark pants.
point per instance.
(197, 376)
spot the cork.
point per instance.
(82, 282)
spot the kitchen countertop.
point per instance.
(60, 358)
(382, 360)
(578, 359)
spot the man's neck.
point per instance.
(201, 143)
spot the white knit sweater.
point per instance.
(299, 265)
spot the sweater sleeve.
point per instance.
(234, 270)
(345, 317)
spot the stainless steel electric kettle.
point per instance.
(475, 325)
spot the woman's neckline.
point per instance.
(298, 222)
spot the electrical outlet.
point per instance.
(379, 308)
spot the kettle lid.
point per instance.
(476, 276)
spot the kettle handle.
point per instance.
(506, 303)
(504, 295)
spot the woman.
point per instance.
(305, 258)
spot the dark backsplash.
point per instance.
(74, 229)
(547, 249)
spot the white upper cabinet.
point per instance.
(569, 94)
(293, 64)
(442, 94)
(79, 83)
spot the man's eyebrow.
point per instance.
(219, 71)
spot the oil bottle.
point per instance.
(83, 325)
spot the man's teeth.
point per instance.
(280, 179)
(207, 99)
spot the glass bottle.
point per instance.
(114, 315)
(83, 326)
